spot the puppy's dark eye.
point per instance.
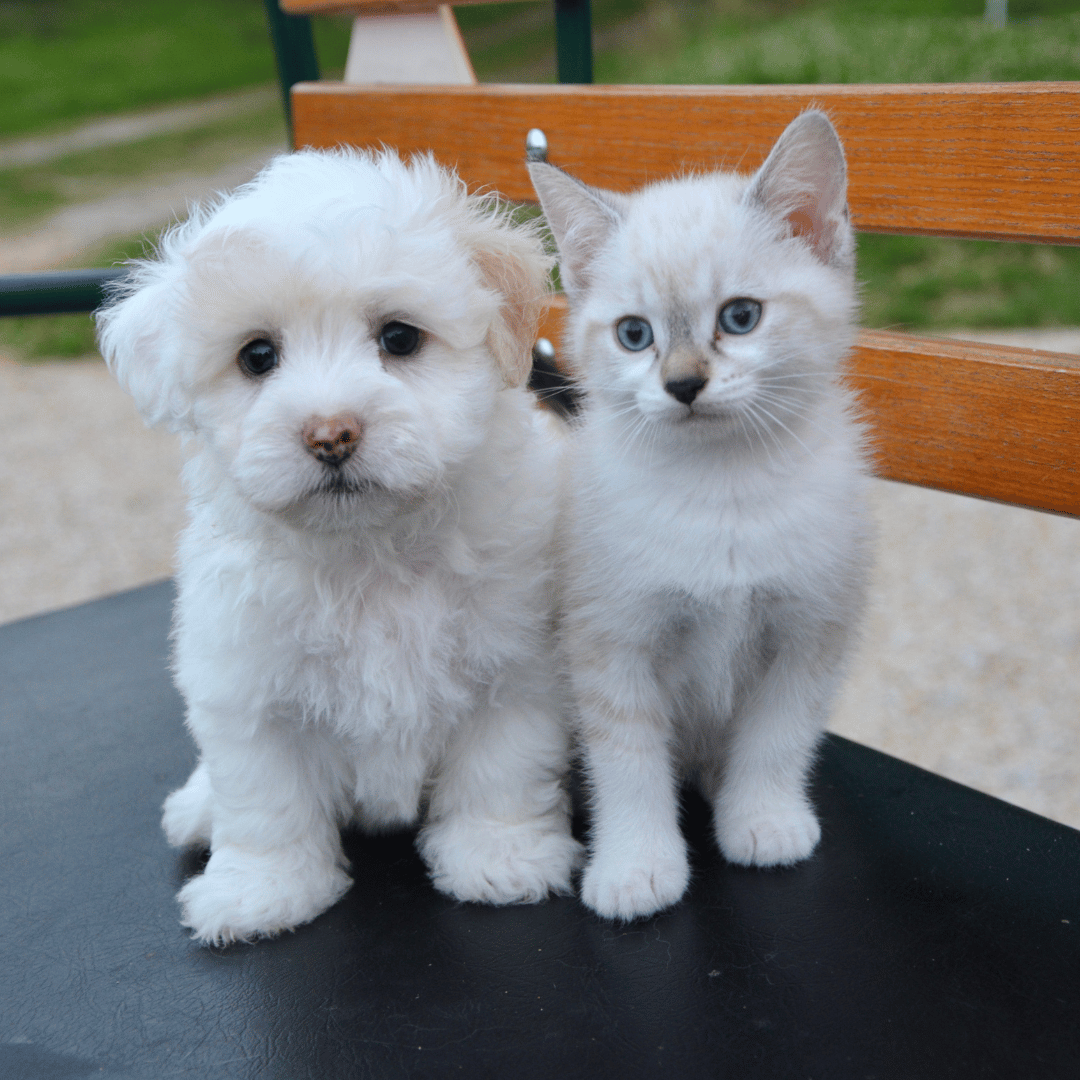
(739, 316)
(399, 339)
(258, 357)
(633, 333)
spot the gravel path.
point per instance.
(91, 499)
(84, 227)
(969, 663)
(116, 130)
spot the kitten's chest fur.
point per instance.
(706, 654)
(693, 521)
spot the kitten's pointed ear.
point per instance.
(804, 180)
(581, 219)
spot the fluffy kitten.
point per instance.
(715, 538)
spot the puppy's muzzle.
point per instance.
(332, 439)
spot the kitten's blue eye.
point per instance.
(399, 339)
(739, 316)
(633, 333)
(258, 357)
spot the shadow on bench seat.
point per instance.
(935, 933)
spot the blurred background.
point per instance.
(116, 116)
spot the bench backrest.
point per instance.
(997, 161)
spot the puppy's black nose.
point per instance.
(685, 390)
(332, 439)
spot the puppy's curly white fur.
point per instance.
(363, 625)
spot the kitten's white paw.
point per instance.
(242, 895)
(186, 816)
(495, 863)
(779, 837)
(633, 888)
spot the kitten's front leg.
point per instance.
(763, 815)
(274, 799)
(639, 862)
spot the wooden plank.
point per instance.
(984, 420)
(998, 161)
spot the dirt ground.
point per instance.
(969, 661)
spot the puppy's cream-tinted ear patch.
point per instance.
(512, 262)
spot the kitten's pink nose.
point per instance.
(332, 438)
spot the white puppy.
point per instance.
(363, 623)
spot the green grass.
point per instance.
(926, 283)
(845, 41)
(37, 338)
(62, 61)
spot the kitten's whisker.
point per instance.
(781, 401)
(777, 402)
(623, 410)
(785, 358)
(629, 434)
(777, 420)
(761, 440)
(877, 378)
(828, 375)
(774, 387)
(764, 429)
(844, 376)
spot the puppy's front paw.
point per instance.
(187, 814)
(635, 887)
(779, 837)
(496, 863)
(242, 895)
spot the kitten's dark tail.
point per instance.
(553, 387)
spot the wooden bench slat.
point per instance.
(996, 161)
(985, 420)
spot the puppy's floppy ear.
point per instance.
(134, 331)
(512, 262)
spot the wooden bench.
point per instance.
(934, 934)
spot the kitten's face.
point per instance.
(697, 313)
(719, 304)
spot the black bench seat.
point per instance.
(935, 933)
